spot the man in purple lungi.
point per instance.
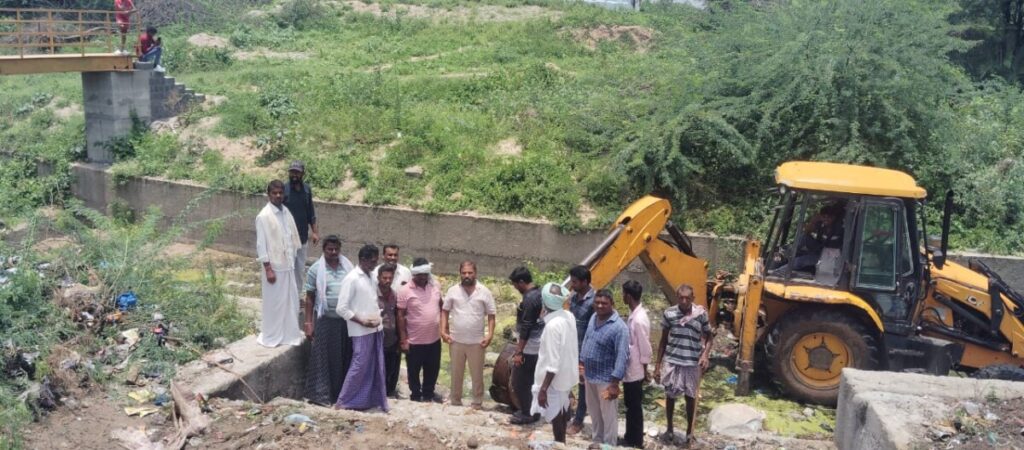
(357, 303)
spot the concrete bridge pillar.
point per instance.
(113, 100)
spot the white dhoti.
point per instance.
(558, 401)
(280, 321)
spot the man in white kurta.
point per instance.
(557, 369)
(277, 241)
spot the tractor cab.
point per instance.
(855, 231)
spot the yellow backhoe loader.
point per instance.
(845, 278)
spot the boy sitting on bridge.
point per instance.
(149, 48)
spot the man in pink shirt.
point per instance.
(636, 367)
(419, 331)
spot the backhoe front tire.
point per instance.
(1007, 372)
(807, 350)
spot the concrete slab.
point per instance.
(269, 372)
(886, 410)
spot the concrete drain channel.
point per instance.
(268, 372)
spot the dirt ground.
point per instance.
(90, 417)
(982, 424)
(240, 424)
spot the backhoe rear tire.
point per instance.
(807, 349)
(1000, 372)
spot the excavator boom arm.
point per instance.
(635, 234)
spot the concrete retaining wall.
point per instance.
(888, 411)
(497, 245)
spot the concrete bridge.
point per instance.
(117, 92)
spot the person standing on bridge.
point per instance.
(122, 16)
(299, 199)
(581, 304)
(357, 303)
(419, 329)
(467, 308)
(149, 49)
(276, 243)
(557, 363)
(331, 352)
(683, 354)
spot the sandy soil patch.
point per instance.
(508, 147)
(208, 40)
(638, 37)
(244, 55)
(486, 13)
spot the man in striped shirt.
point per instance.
(683, 355)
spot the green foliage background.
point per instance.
(702, 113)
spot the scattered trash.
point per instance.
(941, 433)
(131, 337)
(827, 427)
(732, 379)
(992, 437)
(141, 411)
(113, 317)
(360, 427)
(808, 412)
(132, 376)
(255, 411)
(303, 427)
(160, 332)
(730, 447)
(542, 445)
(142, 395)
(991, 417)
(295, 419)
(127, 300)
(71, 362)
(157, 317)
(162, 399)
(971, 408)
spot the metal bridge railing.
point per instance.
(34, 31)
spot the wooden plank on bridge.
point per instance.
(45, 63)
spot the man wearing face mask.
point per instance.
(298, 197)
(462, 328)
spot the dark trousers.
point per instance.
(581, 406)
(426, 358)
(392, 362)
(522, 381)
(633, 397)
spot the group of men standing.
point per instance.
(362, 317)
(584, 341)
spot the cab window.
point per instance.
(879, 251)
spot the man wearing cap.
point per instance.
(298, 197)
(419, 331)
(557, 371)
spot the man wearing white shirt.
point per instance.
(357, 304)
(277, 241)
(402, 274)
(466, 307)
(557, 362)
